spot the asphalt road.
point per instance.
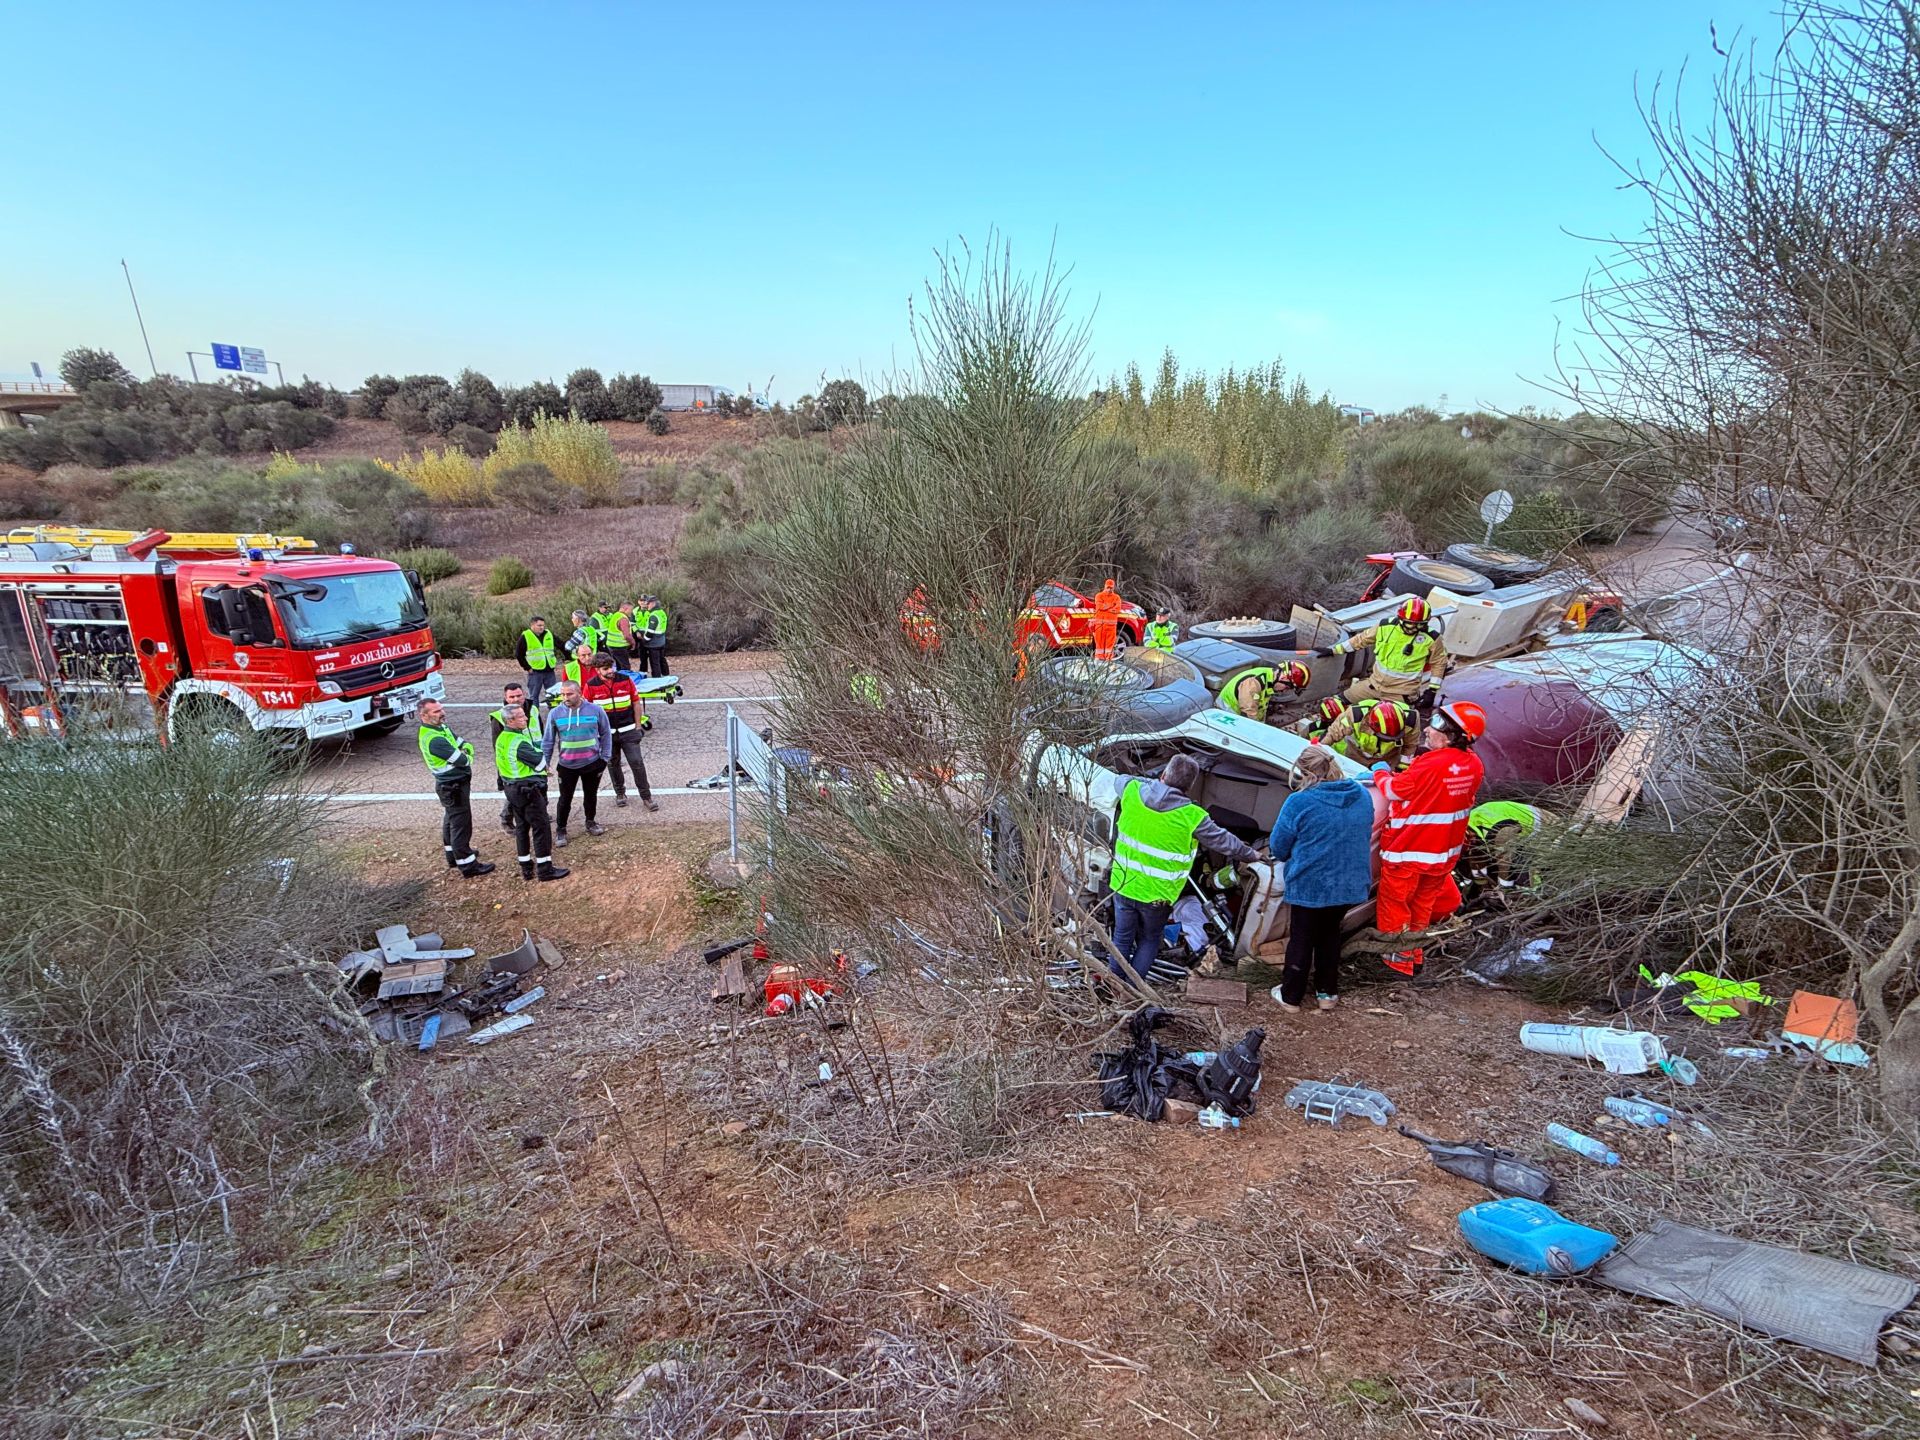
(383, 782)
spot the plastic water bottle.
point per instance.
(1746, 1052)
(1582, 1144)
(1638, 1112)
(1214, 1118)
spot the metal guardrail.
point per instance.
(36, 387)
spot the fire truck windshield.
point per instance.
(339, 609)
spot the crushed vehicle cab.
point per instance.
(1245, 769)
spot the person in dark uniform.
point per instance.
(514, 693)
(450, 762)
(519, 753)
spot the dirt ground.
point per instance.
(647, 1183)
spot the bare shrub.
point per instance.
(172, 1023)
(1754, 347)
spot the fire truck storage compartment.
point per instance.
(89, 638)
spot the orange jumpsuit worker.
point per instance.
(1106, 621)
(1427, 808)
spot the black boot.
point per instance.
(547, 870)
(526, 869)
(473, 869)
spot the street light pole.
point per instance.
(142, 319)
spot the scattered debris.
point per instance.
(1712, 999)
(1524, 957)
(1324, 1100)
(1584, 1413)
(521, 1002)
(1582, 1145)
(1208, 991)
(413, 977)
(1533, 1237)
(661, 1372)
(732, 984)
(408, 987)
(1501, 1171)
(1828, 1305)
(1623, 1052)
(517, 961)
(1214, 1118)
(494, 1031)
(1825, 1025)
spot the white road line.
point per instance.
(702, 700)
(377, 799)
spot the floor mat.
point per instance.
(1829, 1305)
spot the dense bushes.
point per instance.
(83, 367)
(523, 403)
(358, 500)
(125, 422)
(469, 624)
(576, 452)
(178, 1045)
(433, 562)
(509, 573)
(658, 423)
(446, 476)
(530, 486)
(633, 397)
(587, 396)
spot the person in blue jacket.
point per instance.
(1324, 837)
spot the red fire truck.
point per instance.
(207, 634)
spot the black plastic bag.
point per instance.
(1138, 1078)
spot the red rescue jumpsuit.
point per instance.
(1106, 621)
(1427, 808)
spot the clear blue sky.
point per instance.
(1376, 193)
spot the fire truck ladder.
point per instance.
(83, 537)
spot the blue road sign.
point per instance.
(226, 357)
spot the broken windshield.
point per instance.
(339, 609)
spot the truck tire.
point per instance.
(1417, 577)
(206, 719)
(1248, 630)
(1503, 567)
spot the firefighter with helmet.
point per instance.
(1375, 732)
(1320, 719)
(1409, 658)
(1428, 807)
(1251, 692)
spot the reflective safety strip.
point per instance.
(1179, 857)
(1421, 857)
(1444, 819)
(1121, 855)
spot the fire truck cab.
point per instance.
(146, 633)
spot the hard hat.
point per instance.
(1464, 717)
(1412, 611)
(1388, 719)
(1332, 708)
(1293, 675)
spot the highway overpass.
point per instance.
(38, 398)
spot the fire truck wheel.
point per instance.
(205, 718)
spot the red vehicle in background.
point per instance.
(1057, 618)
(234, 634)
(1061, 618)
